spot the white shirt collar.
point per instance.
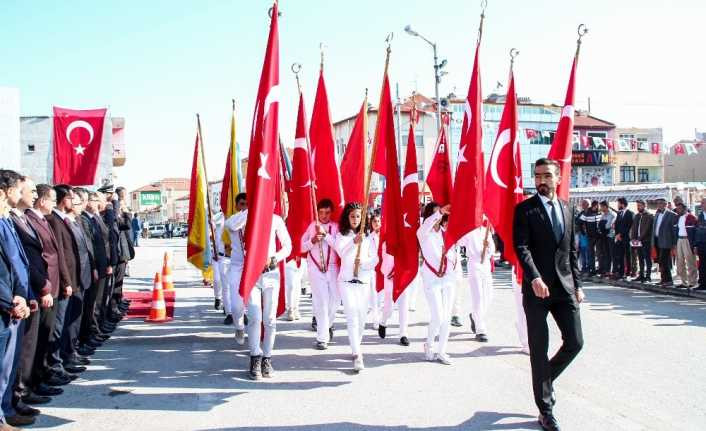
(37, 213)
(546, 200)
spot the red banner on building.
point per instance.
(78, 135)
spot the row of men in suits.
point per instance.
(631, 238)
(64, 253)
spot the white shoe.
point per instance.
(289, 316)
(358, 365)
(240, 336)
(443, 358)
(428, 353)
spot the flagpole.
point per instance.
(582, 30)
(296, 68)
(208, 192)
(369, 174)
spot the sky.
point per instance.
(159, 62)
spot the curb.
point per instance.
(672, 291)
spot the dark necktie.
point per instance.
(556, 228)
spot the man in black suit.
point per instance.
(543, 237)
(623, 224)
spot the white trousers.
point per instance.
(292, 284)
(440, 296)
(217, 279)
(375, 301)
(402, 307)
(235, 301)
(355, 303)
(325, 299)
(480, 281)
(521, 318)
(262, 309)
(412, 291)
(457, 305)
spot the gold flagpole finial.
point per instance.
(513, 53)
(296, 68)
(483, 6)
(233, 100)
(388, 50)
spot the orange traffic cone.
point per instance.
(167, 283)
(158, 310)
(167, 259)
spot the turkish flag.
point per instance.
(78, 135)
(328, 183)
(655, 148)
(392, 231)
(531, 133)
(561, 147)
(263, 167)
(439, 178)
(301, 197)
(679, 149)
(503, 181)
(353, 162)
(410, 215)
(467, 196)
(585, 142)
(610, 144)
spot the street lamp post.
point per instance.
(438, 73)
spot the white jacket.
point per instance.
(347, 250)
(432, 243)
(327, 244)
(278, 231)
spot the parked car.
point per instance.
(179, 231)
(157, 231)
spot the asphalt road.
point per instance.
(642, 368)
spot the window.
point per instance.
(421, 174)
(576, 141)
(643, 175)
(543, 137)
(627, 174)
(643, 145)
(418, 140)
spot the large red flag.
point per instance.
(263, 166)
(78, 135)
(353, 162)
(393, 231)
(503, 181)
(561, 147)
(301, 212)
(324, 151)
(410, 214)
(467, 197)
(439, 178)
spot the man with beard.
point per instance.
(543, 236)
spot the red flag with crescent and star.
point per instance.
(263, 166)
(353, 162)
(503, 181)
(392, 231)
(300, 198)
(324, 151)
(439, 178)
(410, 208)
(467, 196)
(561, 147)
(78, 135)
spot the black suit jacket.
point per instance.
(38, 270)
(623, 224)
(98, 243)
(538, 252)
(67, 243)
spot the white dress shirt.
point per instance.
(557, 209)
(278, 231)
(347, 250)
(431, 242)
(324, 247)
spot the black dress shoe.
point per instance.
(455, 321)
(33, 398)
(382, 331)
(26, 410)
(245, 319)
(85, 351)
(80, 360)
(45, 390)
(330, 334)
(482, 338)
(56, 380)
(69, 376)
(313, 323)
(217, 304)
(74, 368)
(228, 320)
(473, 323)
(548, 423)
(19, 420)
(404, 341)
(92, 343)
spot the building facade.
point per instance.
(155, 202)
(592, 162)
(638, 156)
(686, 164)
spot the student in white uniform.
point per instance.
(262, 304)
(480, 276)
(354, 288)
(375, 298)
(220, 269)
(235, 270)
(322, 266)
(387, 268)
(440, 274)
(293, 284)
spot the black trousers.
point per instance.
(565, 311)
(645, 260)
(47, 317)
(702, 267)
(89, 324)
(621, 255)
(72, 326)
(664, 258)
(23, 379)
